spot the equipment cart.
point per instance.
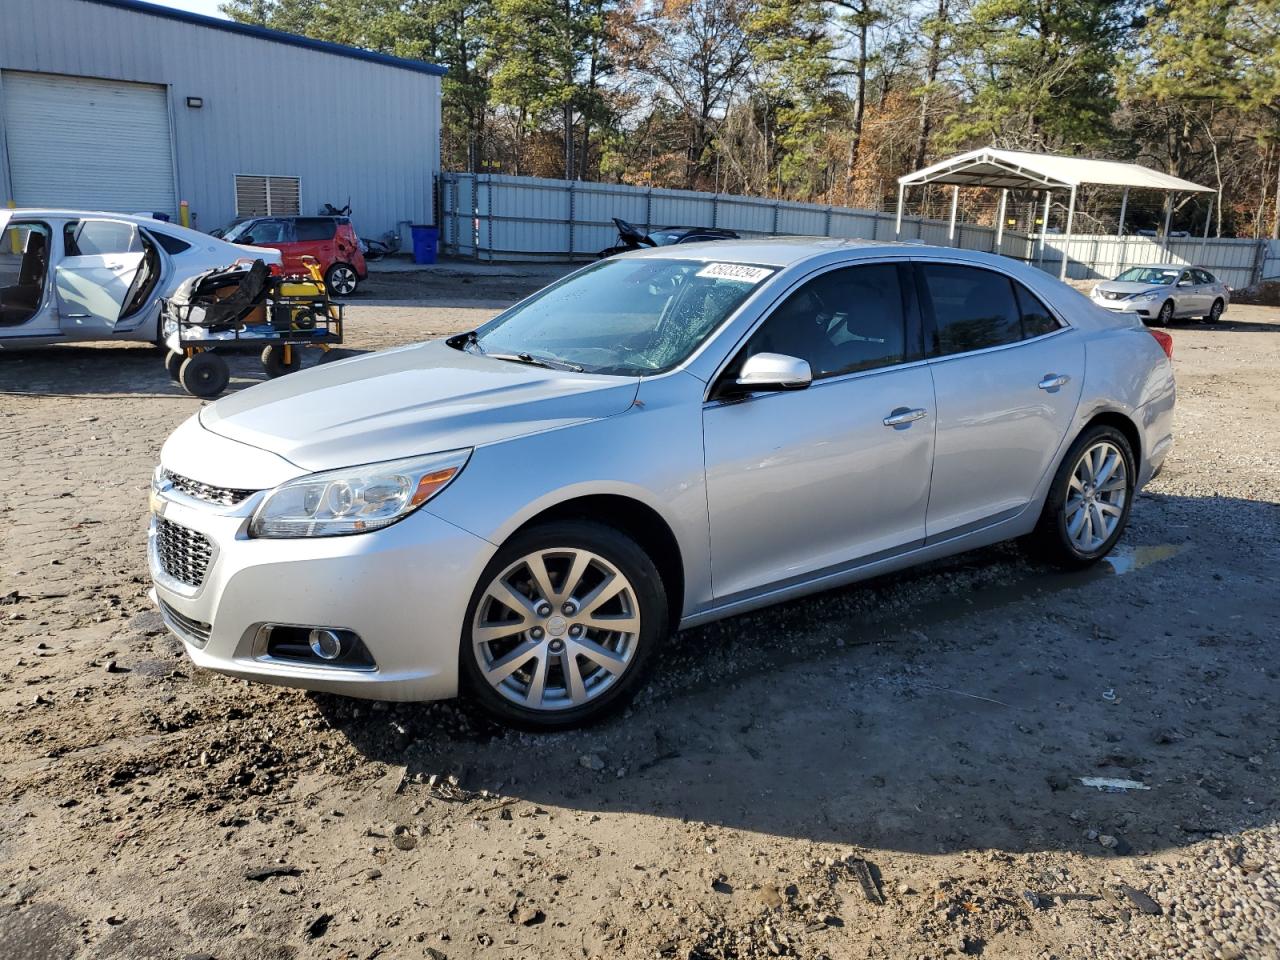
(239, 308)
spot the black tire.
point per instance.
(273, 360)
(1164, 316)
(1051, 541)
(173, 364)
(204, 375)
(1215, 312)
(341, 280)
(632, 562)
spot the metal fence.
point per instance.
(495, 217)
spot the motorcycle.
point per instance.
(629, 238)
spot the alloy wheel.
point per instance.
(556, 629)
(342, 280)
(1096, 495)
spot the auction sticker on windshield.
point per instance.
(734, 271)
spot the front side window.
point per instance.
(624, 317)
(846, 320)
(98, 238)
(972, 309)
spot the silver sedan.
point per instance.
(527, 511)
(1161, 293)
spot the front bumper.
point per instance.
(1145, 308)
(403, 590)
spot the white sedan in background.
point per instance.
(1160, 293)
(69, 275)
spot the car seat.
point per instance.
(221, 299)
(19, 302)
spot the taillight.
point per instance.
(1165, 341)
(277, 270)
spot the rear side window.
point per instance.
(313, 228)
(172, 245)
(973, 309)
(1203, 277)
(1036, 318)
(96, 238)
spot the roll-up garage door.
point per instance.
(88, 144)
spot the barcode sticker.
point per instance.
(734, 271)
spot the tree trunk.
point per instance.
(933, 64)
(859, 110)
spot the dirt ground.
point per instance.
(890, 770)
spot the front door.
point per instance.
(1007, 374)
(806, 480)
(100, 261)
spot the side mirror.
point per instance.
(1184, 283)
(772, 371)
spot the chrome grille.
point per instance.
(223, 496)
(193, 631)
(183, 554)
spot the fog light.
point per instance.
(326, 644)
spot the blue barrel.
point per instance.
(425, 239)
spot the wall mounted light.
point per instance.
(195, 103)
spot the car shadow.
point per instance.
(121, 370)
(959, 706)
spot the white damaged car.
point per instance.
(1161, 293)
(68, 275)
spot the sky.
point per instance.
(207, 7)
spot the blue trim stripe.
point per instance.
(276, 36)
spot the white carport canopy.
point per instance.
(1007, 170)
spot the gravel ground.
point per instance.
(889, 770)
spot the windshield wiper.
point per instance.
(549, 363)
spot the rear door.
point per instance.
(1007, 376)
(314, 237)
(101, 259)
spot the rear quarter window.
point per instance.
(313, 228)
(172, 245)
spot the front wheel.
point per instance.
(1090, 499)
(341, 280)
(1165, 315)
(562, 626)
(204, 375)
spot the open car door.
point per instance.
(100, 262)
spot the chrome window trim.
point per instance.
(943, 358)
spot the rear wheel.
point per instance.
(1090, 499)
(562, 626)
(274, 363)
(204, 375)
(173, 364)
(341, 280)
(1215, 312)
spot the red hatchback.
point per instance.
(331, 240)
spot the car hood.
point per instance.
(418, 399)
(1129, 287)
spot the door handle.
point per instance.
(1052, 381)
(903, 415)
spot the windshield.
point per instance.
(624, 317)
(1160, 275)
(232, 231)
(664, 238)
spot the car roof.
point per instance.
(52, 213)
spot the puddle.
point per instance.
(1125, 559)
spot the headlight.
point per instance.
(355, 499)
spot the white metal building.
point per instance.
(126, 106)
